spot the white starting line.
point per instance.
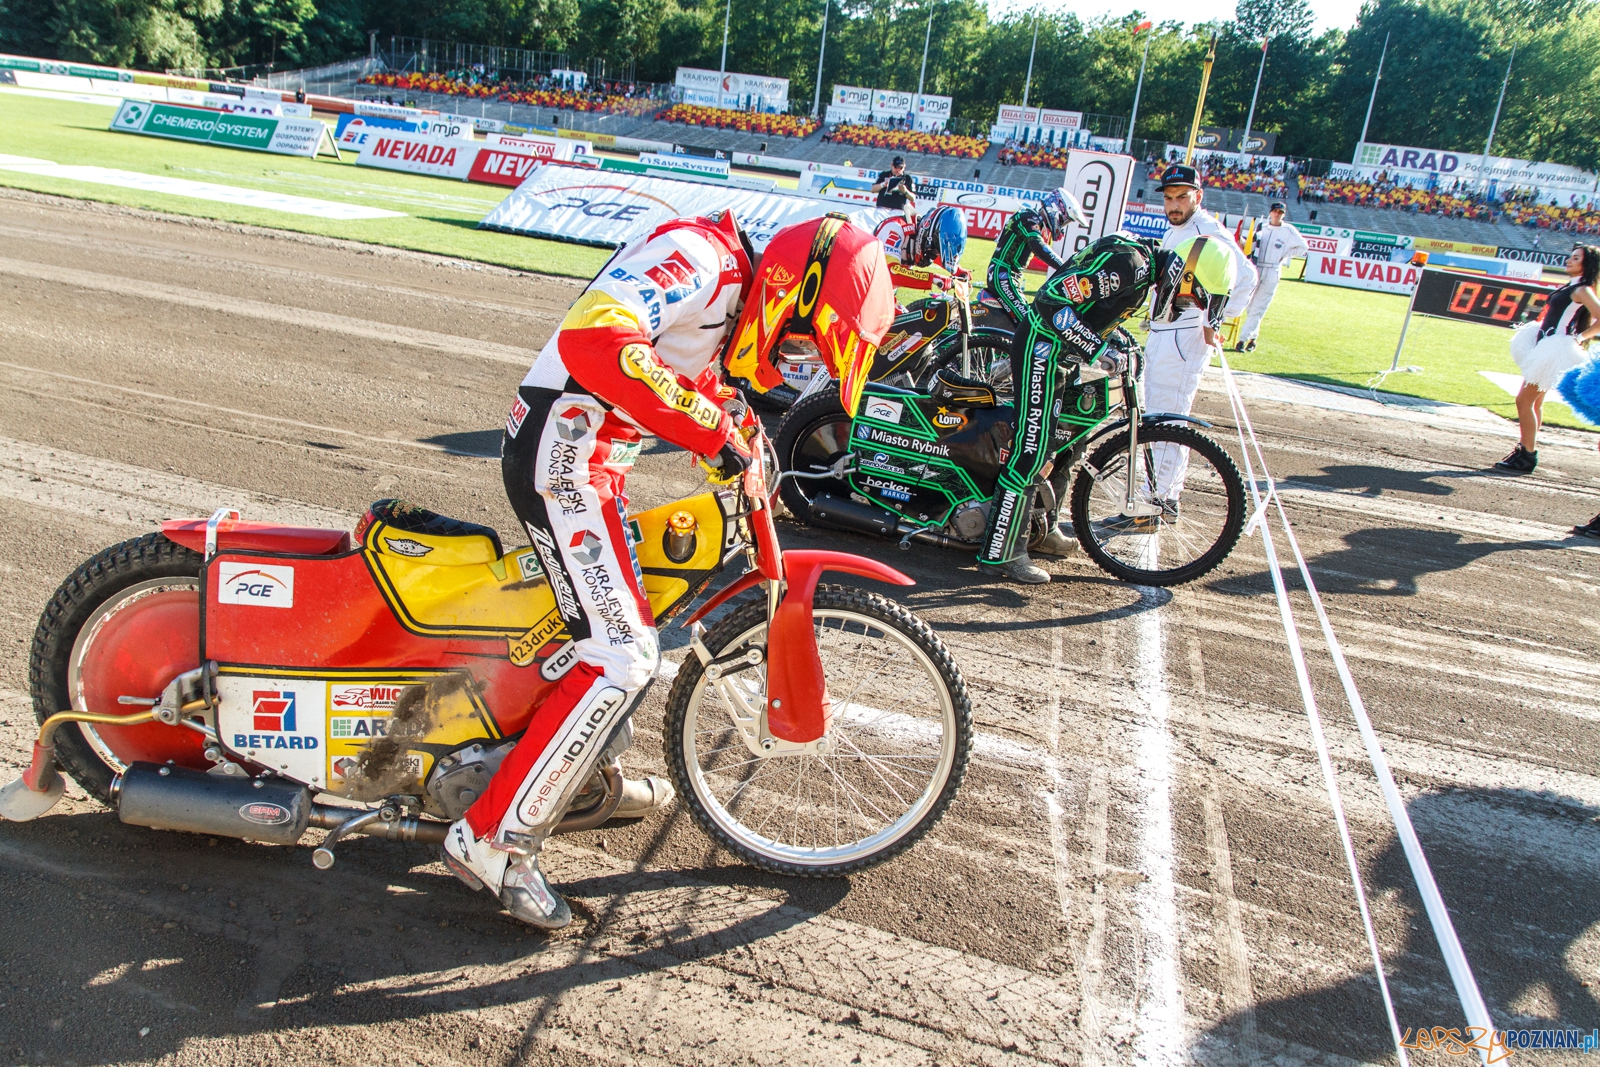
(225, 194)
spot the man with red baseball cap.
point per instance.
(642, 352)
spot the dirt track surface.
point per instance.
(1141, 865)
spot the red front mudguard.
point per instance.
(798, 708)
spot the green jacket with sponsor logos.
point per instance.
(1095, 291)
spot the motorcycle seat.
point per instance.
(440, 540)
(950, 387)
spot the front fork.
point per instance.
(791, 713)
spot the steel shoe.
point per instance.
(472, 859)
(1055, 543)
(643, 796)
(1022, 569)
(527, 895)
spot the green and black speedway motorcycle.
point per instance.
(920, 465)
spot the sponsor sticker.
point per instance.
(528, 565)
(265, 813)
(884, 410)
(357, 727)
(519, 411)
(405, 546)
(364, 697)
(258, 584)
(523, 650)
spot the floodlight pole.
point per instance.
(1373, 99)
(1244, 144)
(1137, 89)
(1028, 83)
(926, 37)
(722, 74)
(1483, 165)
(816, 100)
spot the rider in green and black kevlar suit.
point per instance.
(1028, 234)
(1080, 305)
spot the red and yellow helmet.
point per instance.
(823, 280)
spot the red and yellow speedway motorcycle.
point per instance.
(248, 680)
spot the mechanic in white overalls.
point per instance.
(1276, 244)
(1180, 348)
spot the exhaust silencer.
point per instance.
(845, 514)
(176, 798)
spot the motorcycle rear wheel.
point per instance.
(814, 434)
(901, 737)
(125, 623)
(990, 356)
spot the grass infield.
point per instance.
(441, 216)
(1315, 333)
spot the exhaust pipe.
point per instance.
(844, 514)
(177, 798)
(252, 809)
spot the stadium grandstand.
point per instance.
(645, 111)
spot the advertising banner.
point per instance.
(1466, 248)
(442, 157)
(1100, 182)
(710, 88)
(1533, 255)
(852, 102)
(933, 111)
(289, 137)
(1059, 121)
(353, 131)
(891, 104)
(1384, 246)
(1146, 221)
(502, 166)
(1432, 165)
(1016, 118)
(1353, 273)
(688, 166)
(548, 147)
(610, 209)
(1492, 301)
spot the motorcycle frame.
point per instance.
(796, 711)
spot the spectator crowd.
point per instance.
(628, 98)
(1457, 199)
(762, 122)
(907, 140)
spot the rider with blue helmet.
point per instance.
(925, 252)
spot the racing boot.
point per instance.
(496, 845)
(1056, 543)
(643, 796)
(1001, 554)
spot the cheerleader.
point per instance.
(1581, 390)
(1547, 348)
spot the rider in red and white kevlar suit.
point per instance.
(636, 354)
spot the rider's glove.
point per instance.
(1110, 360)
(727, 464)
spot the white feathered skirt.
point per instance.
(1544, 363)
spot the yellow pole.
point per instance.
(1200, 104)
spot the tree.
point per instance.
(1257, 19)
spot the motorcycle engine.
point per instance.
(969, 521)
(461, 777)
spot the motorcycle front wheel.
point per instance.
(898, 744)
(1189, 537)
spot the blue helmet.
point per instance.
(1060, 210)
(941, 237)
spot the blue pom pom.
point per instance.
(1581, 390)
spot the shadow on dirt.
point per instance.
(114, 929)
(1381, 562)
(1516, 870)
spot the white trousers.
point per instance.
(1260, 300)
(1174, 360)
